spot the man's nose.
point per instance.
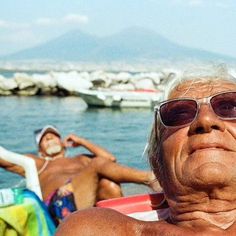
(206, 121)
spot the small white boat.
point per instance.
(114, 98)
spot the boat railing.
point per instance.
(31, 173)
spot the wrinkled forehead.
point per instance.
(201, 88)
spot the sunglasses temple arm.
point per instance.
(155, 122)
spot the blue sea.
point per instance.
(124, 132)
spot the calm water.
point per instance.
(124, 132)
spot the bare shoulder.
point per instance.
(39, 161)
(83, 160)
(107, 222)
(31, 155)
(97, 221)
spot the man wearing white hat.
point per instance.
(76, 183)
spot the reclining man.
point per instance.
(192, 150)
(74, 183)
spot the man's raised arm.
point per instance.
(75, 141)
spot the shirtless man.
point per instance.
(193, 154)
(74, 183)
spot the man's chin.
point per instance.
(209, 174)
(53, 150)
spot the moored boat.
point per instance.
(119, 99)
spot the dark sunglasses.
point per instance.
(183, 111)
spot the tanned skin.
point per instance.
(91, 179)
(198, 179)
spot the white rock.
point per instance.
(123, 76)
(72, 81)
(102, 83)
(5, 92)
(44, 80)
(154, 76)
(95, 75)
(84, 75)
(7, 84)
(28, 91)
(111, 76)
(23, 81)
(144, 84)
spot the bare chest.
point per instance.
(57, 173)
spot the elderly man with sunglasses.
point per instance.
(192, 151)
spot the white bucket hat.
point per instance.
(39, 133)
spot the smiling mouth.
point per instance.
(209, 148)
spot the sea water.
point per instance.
(124, 132)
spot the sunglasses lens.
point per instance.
(224, 105)
(178, 112)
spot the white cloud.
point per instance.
(45, 21)
(17, 35)
(75, 19)
(69, 19)
(8, 25)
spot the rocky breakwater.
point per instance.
(70, 83)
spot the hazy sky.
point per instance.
(205, 24)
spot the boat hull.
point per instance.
(118, 99)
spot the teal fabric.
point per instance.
(27, 219)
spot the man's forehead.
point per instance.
(200, 88)
(50, 133)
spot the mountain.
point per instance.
(132, 45)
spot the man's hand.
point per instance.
(72, 141)
(75, 141)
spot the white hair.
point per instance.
(210, 72)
